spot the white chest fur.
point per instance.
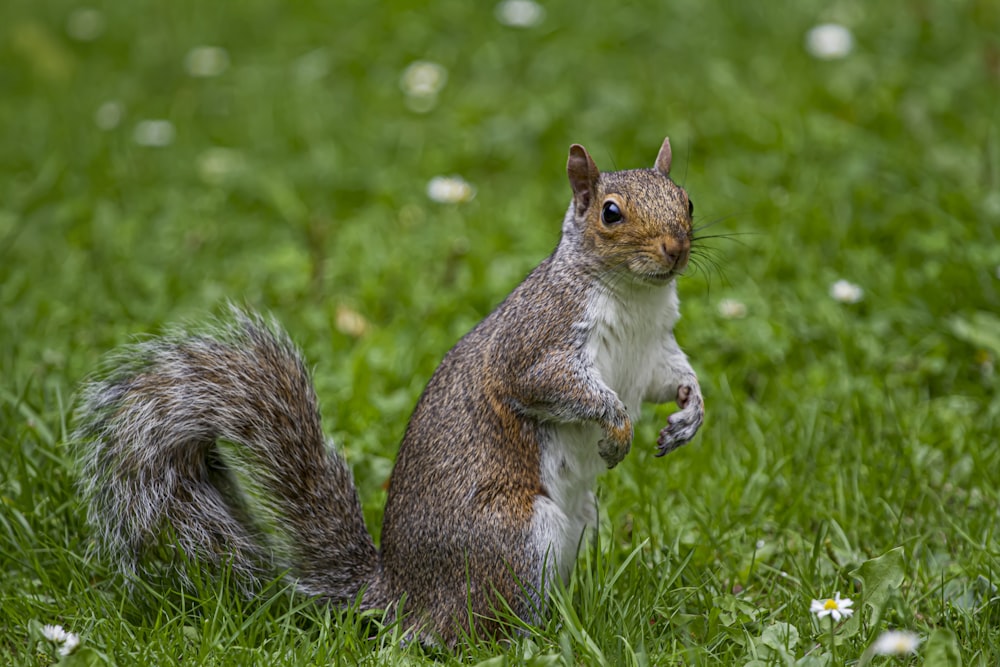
(629, 334)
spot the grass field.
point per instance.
(159, 158)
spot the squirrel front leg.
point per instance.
(684, 424)
(561, 388)
(676, 381)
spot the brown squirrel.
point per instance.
(215, 438)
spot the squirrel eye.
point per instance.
(690, 208)
(611, 214)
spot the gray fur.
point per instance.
(149, 425)
(215, 436)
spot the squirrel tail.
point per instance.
(214, 439)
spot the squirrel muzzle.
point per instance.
(674, 253)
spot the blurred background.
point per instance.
(159, 157)
(380, 175)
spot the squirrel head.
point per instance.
(638, 219)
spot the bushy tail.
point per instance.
(215, 437)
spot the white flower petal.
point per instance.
(837, 607)
(450, 190)
(109, 115)
(54, 633)
(70, 644)
(846, 292)
(896, 642)
(423, 78)
(520, 13)
(154, 133)
(351, 322)
(312, 67)
(206, 61)
(829, 41)
(731, 309)
(217, 164)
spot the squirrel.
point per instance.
(212, 442)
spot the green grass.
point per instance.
(835, 433)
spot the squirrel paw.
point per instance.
(617, 440)
(682, 425)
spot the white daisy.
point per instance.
(731, 309)
(206, 61)
(450, 190)
(109, 115)
(217, 164)
(68, 641)
(54, 633)
(423, 78)
(846, 292)
(829, 41)
(422, 81)
(520, 13)
(896, 642)
(154, 133)
(70, 644)
(351, 322)
(837, 607)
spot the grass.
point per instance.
(836, 433)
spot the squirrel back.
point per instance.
(217, 437)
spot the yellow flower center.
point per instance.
(830, 604)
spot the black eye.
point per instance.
(690, 208)
(611, 214)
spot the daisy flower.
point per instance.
(450, 190)
(829, 41)
(71, 643)
(206, 61)
(54, 633)
(896, 642)
(109, 115)
(846, 292)
(68, 641)
(731, 309)
(154, 133)
(520, 13)
(422, 81)
(837, 607)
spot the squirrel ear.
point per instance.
(663, 159)
(583, 175)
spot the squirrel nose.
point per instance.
(674, 253)
(669, 255)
